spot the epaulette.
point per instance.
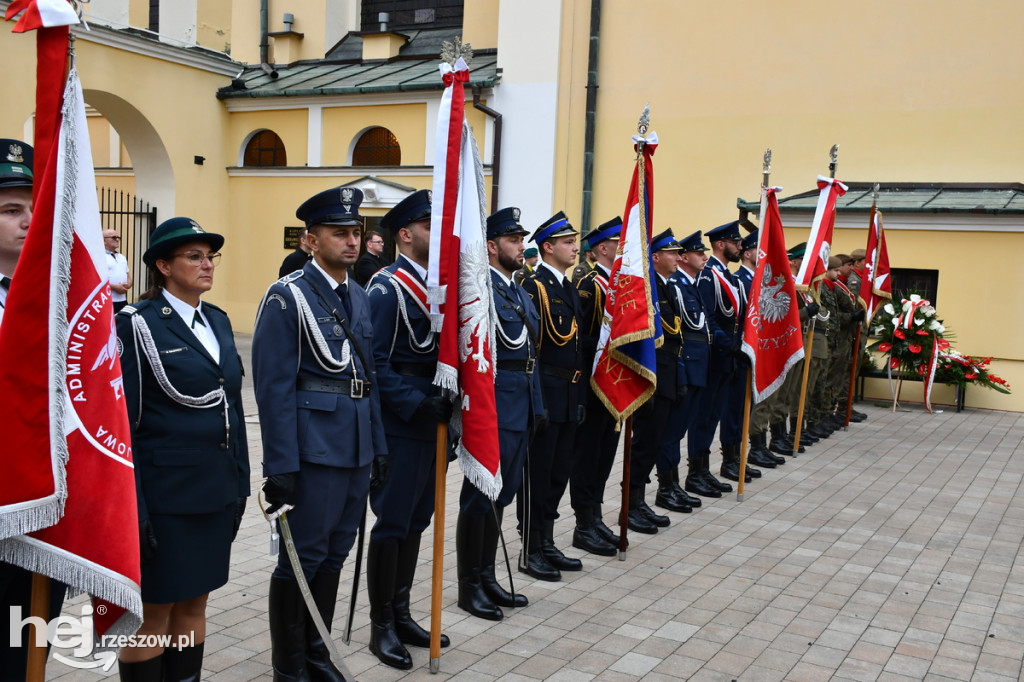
(583, 293)
(128, 310)
(213, 307)
(290, 277)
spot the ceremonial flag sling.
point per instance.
(462, 311)
(819, 243)
(65, 391)
(771, 335)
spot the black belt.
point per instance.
(526, 366)
(574, 375)
(414, 369)
(353, 388)
(672, 348)
(695, 336)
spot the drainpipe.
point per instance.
(265, 39)
(591, 116)
(496, 156)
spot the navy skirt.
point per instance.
(192, 556)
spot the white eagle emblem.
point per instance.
(774, 302)
(347, 195)
(14, 152)
(474, 311)
(515, 214)
(195, 227)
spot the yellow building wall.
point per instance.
(213, 24)
(480, 23)
(309, 15)
(341, 126)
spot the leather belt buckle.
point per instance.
(576, 376)
(530, 363)
(357, 388)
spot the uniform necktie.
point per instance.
(6, 283)
(567, 285)
(197, 319)
(346, 302)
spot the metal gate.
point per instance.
(134, 220)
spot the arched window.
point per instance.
(377, 147)
(265, 149)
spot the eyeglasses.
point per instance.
(375, 241)
(195, 258)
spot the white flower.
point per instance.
(918, 321)
(915, 298)
(934, 324)
(928, 311)
(896, 322)
(889, 309)
(941, 329)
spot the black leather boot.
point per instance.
(604, 531)
(586, 536)
(469, 540)
(636, 520)
(287, 614)
(150, 670)
(536, 563)
(498, 594)
(553, 554)
(765, 452)
(381, 573)
(779, 444)
(696, 483)
(408, 630)
(183, 665)
(680, 493)
(757, 456)
(731, 463)
(709, 477)
(813, 429)
(805, 438)
(666, 497)
(324, 588)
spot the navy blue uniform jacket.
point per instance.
(331, 429)
(184, 464)
(517, 394)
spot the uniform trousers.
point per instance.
(551, 461)
(730, 431)
(649, 427)
(405, 504)
(512, 445)
(329, 503)
(595, 445)
(710, 409)
(679, 421)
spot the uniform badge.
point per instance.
(347, 195)
(120, 347)
(166, 310)
(195, 227)
(430, 196)
(14, 152)
(515, 214)
(337, 330)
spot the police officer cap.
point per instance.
(555, 226)
(172, 233)
(15, 164)
(411, 209)
(603, 232)
(335, 206)
(665, 242)
(692, 243)
(750, 241)
(798, 251)
(530, 252)
(504, 222)
(727, 232)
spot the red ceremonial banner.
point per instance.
(771, 333)
(876, 287)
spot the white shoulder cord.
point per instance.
(215, 397)
(318, 344)
(697, 326)
(422, 347)
(506, 340)
(727, 310)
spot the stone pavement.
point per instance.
(888, 552)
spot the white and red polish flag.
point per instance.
(819, 243)
(459, 285)
(37, 14)
(771, 335)
(61, 390)
(876, 287)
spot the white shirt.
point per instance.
(560, 275)
(507, 280)
(685, 275)
(117, 273)
(203, 332)
(331, 282)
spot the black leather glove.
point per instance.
(147, 540)
(436, 408)
(380, 471)
(858, 316)
(279, 490)
(812, 309)
(540, 422)
(239, 512)
(681, 391)
(741, 358)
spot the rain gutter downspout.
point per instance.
(591, 115)
(265, 39)
(496, 153)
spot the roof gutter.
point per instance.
(591, 115)
(265, 39)
(496, 155)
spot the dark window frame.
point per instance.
(377, 146)
(922, 281)
(262, 144)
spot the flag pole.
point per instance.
(766, 171)
(833, 156)
(39, 607)
(855, 360)
(437, 564)
(627, 453)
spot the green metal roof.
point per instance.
(328, 77)
(950, 197)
